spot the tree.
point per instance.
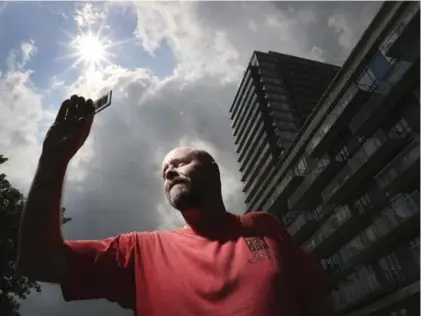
(13, 287)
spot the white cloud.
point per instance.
(89, 15)
(18, 59)
(21, 108)
(340, 25)
(28, 50)
(318, 54)
(200, 50)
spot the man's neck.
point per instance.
(205, 221)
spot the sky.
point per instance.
(174, 69)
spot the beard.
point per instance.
(182, 197)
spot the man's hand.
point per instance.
(69, 130)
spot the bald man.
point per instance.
(219, 264)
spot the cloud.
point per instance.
(28, 50)
(89, 15)
(200, 50)
(18, 58)
(21, 108)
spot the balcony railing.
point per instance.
(378, 234)
(302, 219)
(362, 122)
(342, 215)
(400, 166)
(311, 186)
(404, 35)
(337, 119)
(290, 182)
(307, 223)
(368, 282)
(375, 146)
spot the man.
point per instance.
(221, 264)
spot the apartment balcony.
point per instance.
(308, 191)
(304, 220)
(307, 223)
(403, 43)
(330, 235)
(282, 190)
(353, 294)
(404, 301)
(364, 164)
(396, 223)
(404, 168)
(387, 94)
(337, 119)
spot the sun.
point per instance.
(90, 49)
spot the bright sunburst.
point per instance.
(90, 49)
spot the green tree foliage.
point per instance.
(13, 287)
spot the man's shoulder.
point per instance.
(135, 237)
(261, 220)
(261, 217)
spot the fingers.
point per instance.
(61, 115)
(75, 109)
(74, 113)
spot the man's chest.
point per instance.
(185, 270)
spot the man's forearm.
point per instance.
(40, 230)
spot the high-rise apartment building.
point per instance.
(348, 187)
(275, 97)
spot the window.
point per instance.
(264, 72)
(285, 135)
(277, 96)
(363, 203)
(272, 81)
(367, 81)
(343, 155)
(400, 130)
(379, 65)
(288, 116)
(371, 234)
(318, 213)
(302, 164)
(285, 125)
(277, 89)
(283, 106)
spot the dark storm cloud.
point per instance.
(356, 16)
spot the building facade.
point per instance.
(276, 95)
(347, 187)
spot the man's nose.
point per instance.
(171, 174)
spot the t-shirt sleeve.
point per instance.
(99, 269)
(308, 278)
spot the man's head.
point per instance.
(191, 178)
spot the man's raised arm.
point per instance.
(41, 245)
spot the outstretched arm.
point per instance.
(40, 253)
(84, 269)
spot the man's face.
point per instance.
(184, 177)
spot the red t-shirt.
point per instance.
(250, 267)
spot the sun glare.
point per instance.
(90, 49)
